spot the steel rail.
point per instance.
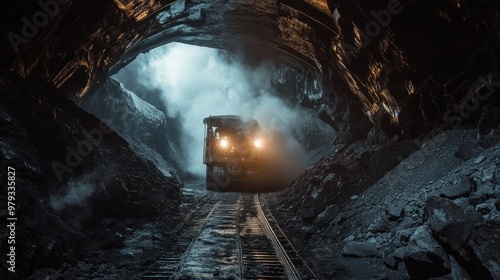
(304, 263)
(188, 249)
(157, 273)
(290, 270)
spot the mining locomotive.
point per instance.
(232, 152)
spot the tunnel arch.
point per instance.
(332, 39)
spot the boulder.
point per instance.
(483, 246)
(440, 213)
(380, 225)
(307, 215)
(399, 253)
(475, 243)
(462, 189)
(395, 211)
(410, 222)
(484, 208)
(391, 262)
(405, 234)
(483, 193)
(487, 175)
(449, 222)
(479, 159)
(309, 231)
(372, 240)
(424, 257)
(457, 271)
(359, 249)
(324, 219)
(463, 202)
(328, 181)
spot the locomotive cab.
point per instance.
(232, 152)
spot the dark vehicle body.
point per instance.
(232, 153)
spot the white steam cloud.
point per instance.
(197, 82)
(75, 194)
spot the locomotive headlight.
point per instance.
(257, 143)
(223, 143)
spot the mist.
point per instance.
(197, 82)
(75, 194)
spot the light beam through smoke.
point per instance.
(197, 82)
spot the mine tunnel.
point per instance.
(273, 139)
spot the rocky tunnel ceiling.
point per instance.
(387, 67)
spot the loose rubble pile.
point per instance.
(436, 214)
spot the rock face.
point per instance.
(432, 216)
(472, 240)
(327, 216)
(461, 189)
(385, 68)
(73, 170)
(395, 211)
(424, 257)
(138, 122)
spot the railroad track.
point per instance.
(237, 239)
(167, 266)
(296, 267)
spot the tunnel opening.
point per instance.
(175, 86)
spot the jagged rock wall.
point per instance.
(139, 123)
(72, 171)
(427, 59)
(387, 67)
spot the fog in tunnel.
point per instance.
(197, 82)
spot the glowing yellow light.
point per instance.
(258, 143)
(223, 143)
